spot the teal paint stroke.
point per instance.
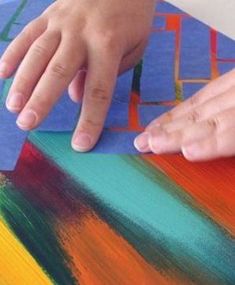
(6, 87)
(148, 202)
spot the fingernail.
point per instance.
(191, 151)
(27, 120)
(14, 102)
(82, 142)
(3, 69)
(141, 142)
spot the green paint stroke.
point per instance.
(5, 32)
(144, 196)
(35, 229)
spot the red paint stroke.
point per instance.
(45, 185)
(211, 184)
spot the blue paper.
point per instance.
(63, 117)
(195, 61)
(3, 46)
(1, 93)
(33, 9)
(8, 8)
(226, 47)
(116, 142)
(189, 89)
(158, 82)
(65, 114)
(225, 67)
(118, 115)
(148, 113)
(159, 22)
(123, 87)
(11, 142)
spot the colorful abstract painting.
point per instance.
(97, 219)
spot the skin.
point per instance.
(202, 128)
(84, 47)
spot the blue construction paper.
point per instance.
(11, 140)
(166, 8)
(158, 82)
(226, 47)
(159, 22)
(8, 8)
(63, 116)
(148, 113)
(32, 9)
(123, 87)
(116, 142)
(195, 61)
(3, 46)
(189, 89)
(118, 115)
(1, 92)
(225, 67)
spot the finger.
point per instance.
(133, 57)
(214, 147)
(76, 87)
(203, 112)
(160, 141)
(213, 89)
(59, 73)
(100, 83)
(31, 69)
(16, 51)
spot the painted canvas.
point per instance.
(97, 219)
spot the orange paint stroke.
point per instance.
(100, 256)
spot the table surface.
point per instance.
(217, 13)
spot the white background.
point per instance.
(220, 14)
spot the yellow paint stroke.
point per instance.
(17, 266)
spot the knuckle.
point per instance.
(59, 70)
(27, 32)
(194, 101)
(99, 94)
(39, 49)
(168, 117)
(213, 123)
(108, 41)
(92, 123)
(193, 117)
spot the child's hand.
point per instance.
(202, 127)
(104, 37)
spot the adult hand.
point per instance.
(202, 128)
(103, 37)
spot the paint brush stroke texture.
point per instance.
(186, 233)
(68, 218)
(163, 225)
